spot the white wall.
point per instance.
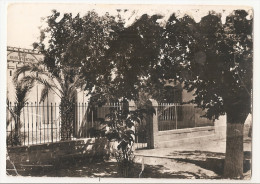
(32, 114)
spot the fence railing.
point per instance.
(37, 123)
(140, 129)
(175, 116)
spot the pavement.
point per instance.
(204, 160)
(214, 146)
(189, 161)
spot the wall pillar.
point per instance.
(152, 124)
(131, 105)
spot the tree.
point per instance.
(22, 90)
(73, 49)
(65, 86)
(79, 42)
(121, 123)
(237, 99)
(215, 61)
(133, 56)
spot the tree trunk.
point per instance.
(234, 147)
(17, 136)
(67, 118)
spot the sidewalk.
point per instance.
(204, 160)
(214, 146)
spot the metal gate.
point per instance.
(141, 135)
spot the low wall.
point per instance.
(172, 138)
(221, 126)
(54, 154)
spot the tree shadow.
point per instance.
(81, 169)
(159, 171)
(210, 160)
(197, 154)
(47, 158)
(108, 169)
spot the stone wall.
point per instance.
(54, 154)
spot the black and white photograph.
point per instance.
(144, 91)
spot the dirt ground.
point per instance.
(204, 161)
(201, 161)
(108, 169)
(184, 167)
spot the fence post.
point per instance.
(43, 116)
(40, 121)
(24, 125)
(36, 120)
(11, 123)
(32, 120)
(152, 124)
(131, 105)
(51, 124)
(176, 115)
(28, 124)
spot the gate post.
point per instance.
(131, 105)
(152, 124)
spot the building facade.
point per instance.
(40, 121)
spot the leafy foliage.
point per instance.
(63, 85)
(79, 42)
(22, 89)
(133, 55)
(212, 59)
(121, 126)
(74, 49)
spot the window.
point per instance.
(10, 72)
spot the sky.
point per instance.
(24, 20)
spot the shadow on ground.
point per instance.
(108, 169)
(160, 171)
(104, 169)
(93, 168)
(209, 160)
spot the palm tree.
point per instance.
(22, 88)
(64, 83)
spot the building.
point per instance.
(17, 57)
(40, 121)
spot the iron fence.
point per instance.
(175, 116)
(141, 133)
(37, 123)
